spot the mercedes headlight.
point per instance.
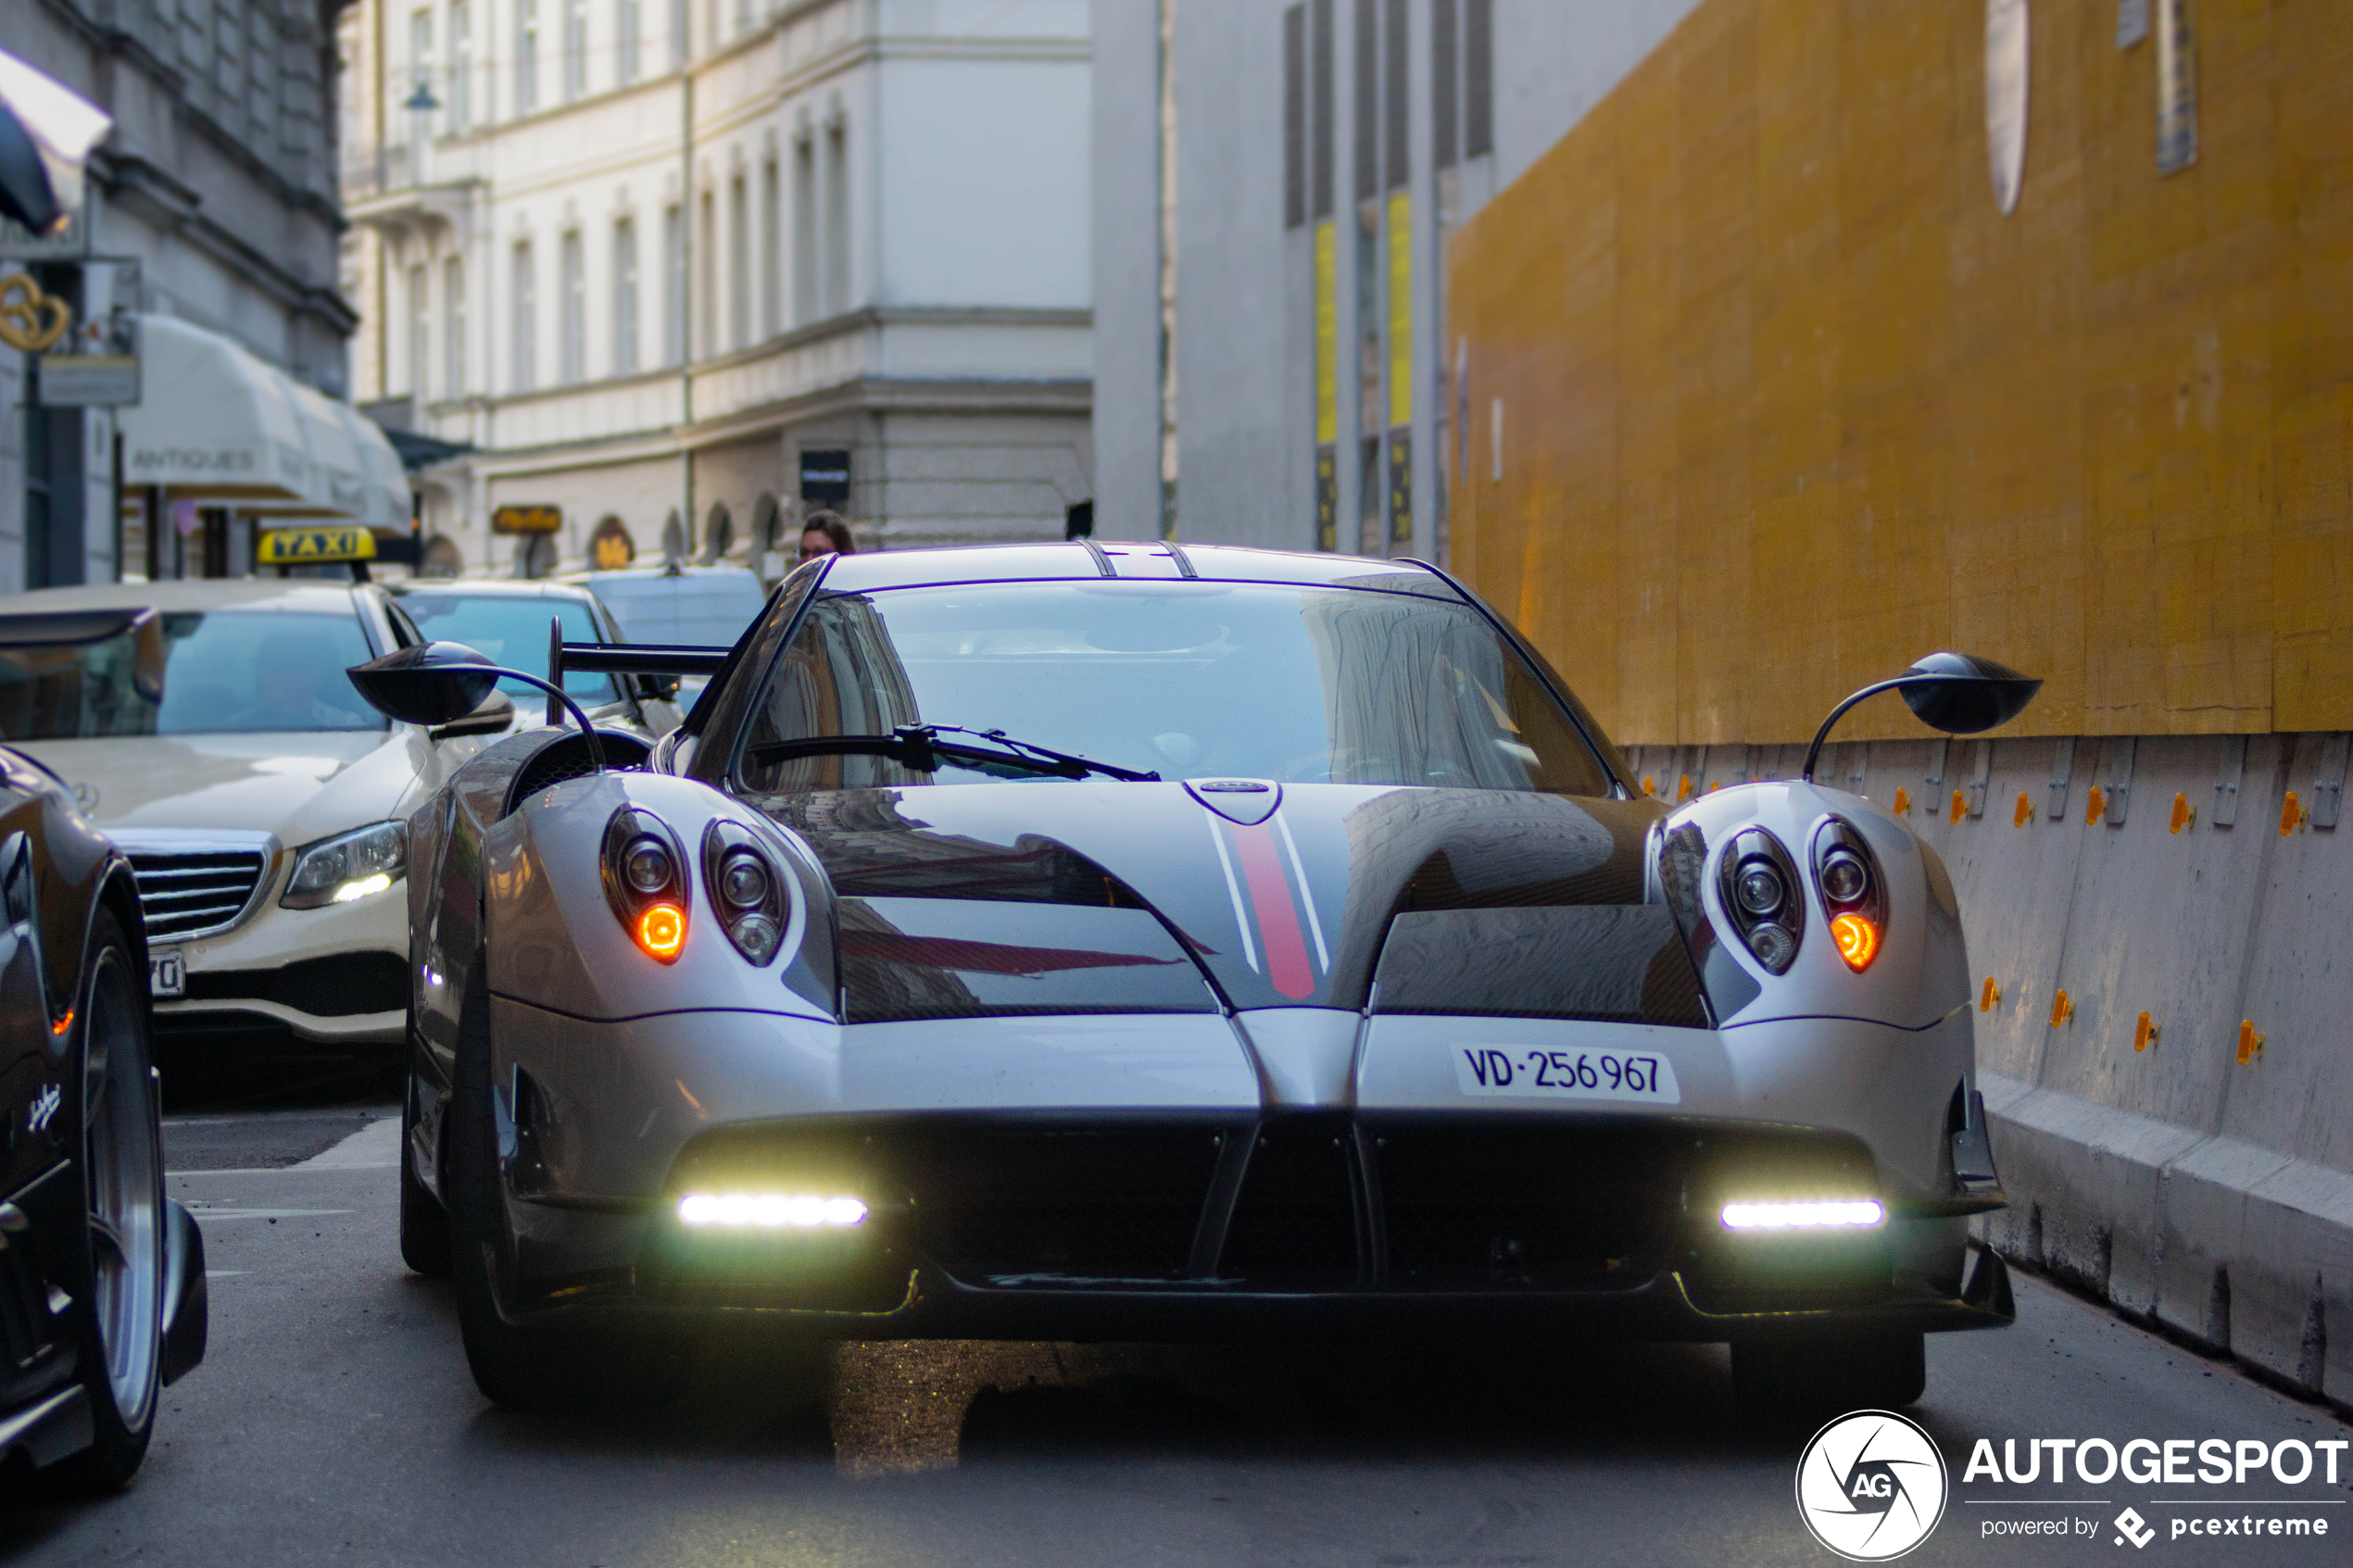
(349, 866)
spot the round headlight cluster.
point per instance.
(751, 895)
(648, 866)
(646, 883)
(1847, 873)
(1760, 892)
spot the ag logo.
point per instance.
(1870, 1485)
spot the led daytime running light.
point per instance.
(770, 1210)
(1847, 1213)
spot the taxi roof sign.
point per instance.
(313, 546)
(526, 519)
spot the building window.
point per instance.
(738, 264)
(771, 251)
(419, 76)
(674, 286)
(576, 49)
(526, 309)
(572, 334)
(624, 297)
(1478, 71)
(420, 333)
(837, 224)
(1319, 80)
(1446, 109)
(461, 67)
(804, 232)
(707, 278)
(526, 56)
(453, 329)
(1366, 109)
(1396, 142)
(625, 26)
(680, 45)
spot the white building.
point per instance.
(655, 260)
(1309, 160)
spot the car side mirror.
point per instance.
(1960, 693)
(492, 715)
(149, 655)
(432, 683)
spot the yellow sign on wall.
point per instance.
(313, 546)
(1326, 333)
(527, 519)
(1401, 310)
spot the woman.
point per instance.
(824, 533)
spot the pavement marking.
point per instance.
(223, 1274)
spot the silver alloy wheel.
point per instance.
(125, 1185)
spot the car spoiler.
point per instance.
(625, 658)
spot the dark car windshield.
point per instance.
(1190, 680)
(228, 670)
(512, 630)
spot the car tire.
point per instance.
(424, 1223)
(522, 1366)
(1818, 1373)
(119, 1305)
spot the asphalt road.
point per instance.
(334, 1423)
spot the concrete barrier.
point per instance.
(2157, 1171)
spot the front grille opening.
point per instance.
(195, 892)
(1295, 1226)
(1063, 1207)
(1490, 1207)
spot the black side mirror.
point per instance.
(1957, 693)
(493, 715)
(432, 683)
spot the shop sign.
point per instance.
(527, 519)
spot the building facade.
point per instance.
(682, 269)
(1273, 364)
(213, 202)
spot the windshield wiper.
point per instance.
(920, 747)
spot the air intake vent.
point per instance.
(193, 892)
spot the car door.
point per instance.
(33, 1145)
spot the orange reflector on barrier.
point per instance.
(2144, 1033)
(1988, 996)
(661, 931)
(1858, 940)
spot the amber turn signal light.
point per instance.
(661, 931)
(1858, 940)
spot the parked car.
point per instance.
(1069, 942)
(102, 1282)
(262, 805)
(709, 606)
(508, 620)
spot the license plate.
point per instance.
(1522, 1072)
(167, 974)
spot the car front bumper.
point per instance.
(1107, 1177)
(338, 975)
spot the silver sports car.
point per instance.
(1136, 941)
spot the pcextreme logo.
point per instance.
(1871, 1486)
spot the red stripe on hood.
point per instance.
(1270, 900)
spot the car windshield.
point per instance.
(227, 670)
(512, 630)
(1191, 679)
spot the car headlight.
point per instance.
(745, 890)
(1760, 892)
(644, 879)
(349, 866)
(1847, 874)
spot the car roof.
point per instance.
(650, 573)
(206, 593)
(489, 588)
(1128, 559)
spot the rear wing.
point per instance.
(624, 659)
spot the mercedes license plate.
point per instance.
(1569, 1074)
(168, 975)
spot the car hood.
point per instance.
(1284, 908)
(299, 786)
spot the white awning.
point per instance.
(214, 422)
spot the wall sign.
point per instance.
(825, 474)
(527, 519)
